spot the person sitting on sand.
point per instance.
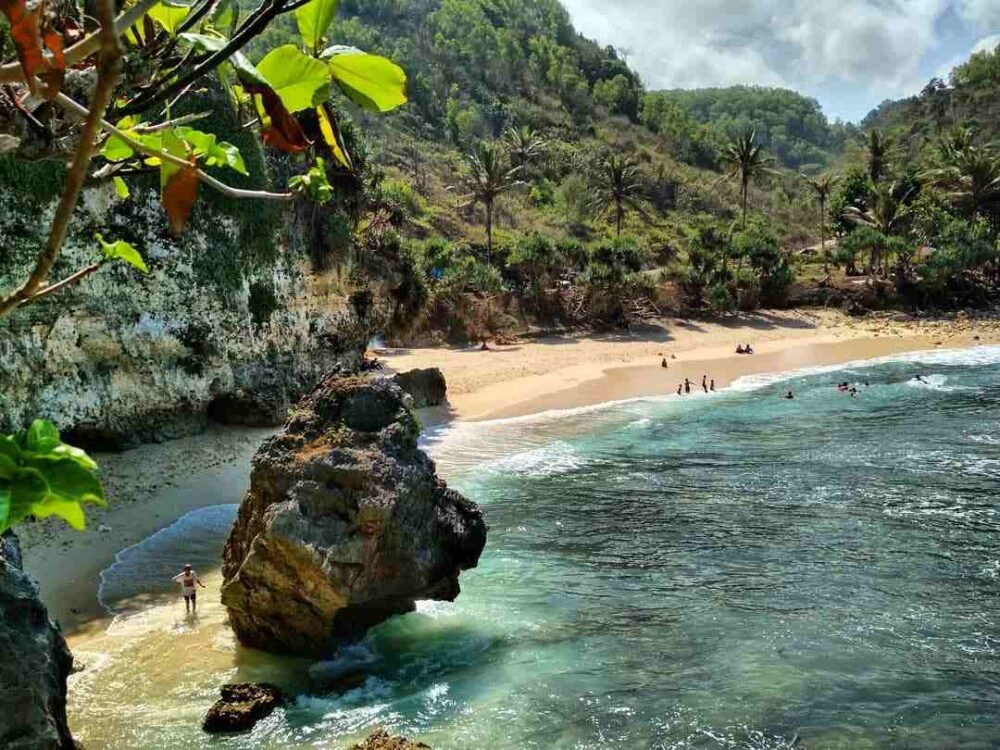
(664, 364)
(739, 349)
(789, 395)
(188, 580)
(748, 349)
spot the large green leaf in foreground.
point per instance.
(300, 81)
(370, 81)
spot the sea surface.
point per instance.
(731, 570)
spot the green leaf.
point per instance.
(299, 81)
(75, 454)
(10, 448)
(369, 81)
(314, 18)
(69, 481)
(27, 488)
(8, 467)
(42, 436)
(170, 142)
(121, 188)
(245, 69)
(5, 497)
(121, 250)
(225, 15)
(169, 15)
(213, 153)
(115, 149)
(70, 512)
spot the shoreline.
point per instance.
(150, 487)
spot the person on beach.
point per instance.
(679, 386)
(711, 386)
(687, 385)
(739, 349)
(704, 383)
(664, 364)
(189, 580)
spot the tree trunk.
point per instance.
(746, 190)
(489, 233)
(822, 235)
(619, 216)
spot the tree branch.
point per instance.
(72, 279)
(108, 65)
(253, 26)
(64, 101)
(13, 73)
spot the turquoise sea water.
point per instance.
(723, 571)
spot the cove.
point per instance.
(730, 570)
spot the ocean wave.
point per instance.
(971, 357)
(931, 383)
(551, 460)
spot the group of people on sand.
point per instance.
(740, 349)
(708, 386)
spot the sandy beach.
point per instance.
(150, 487)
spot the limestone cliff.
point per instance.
(345, 523)
(231, 321)
(34, 665)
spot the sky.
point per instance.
(849, 54)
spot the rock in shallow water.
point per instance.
(382, 740)
(241, 706)
(34, 663)
(345, 524)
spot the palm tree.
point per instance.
(888, 214)
(970, 177)
(618, 188)
(524, 145)
(488, 175)
(879, 146)
(823, 186)
(747, 162)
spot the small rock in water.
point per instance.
(382, 740)
(242, 705)
(103, 528)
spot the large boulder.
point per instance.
(345, 524)
(34, 662)
(241, 706)
(427, 386)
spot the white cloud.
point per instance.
(985, 13)
(874, 46)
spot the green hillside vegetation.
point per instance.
(531, 179)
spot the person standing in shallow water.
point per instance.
(704, 383)
(189, 580)
(687, 385)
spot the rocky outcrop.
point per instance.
(382, 740)
(241, 706)
(345, 524)
(427, 386)
(34, 663)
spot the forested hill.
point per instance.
(971, 98)
(792, 126)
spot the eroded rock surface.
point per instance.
(427, 386)
(34, 663)
(241, 706)
(382, 740)
(345, 524)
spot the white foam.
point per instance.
(976, 356)
(934, 382)
(548, 461)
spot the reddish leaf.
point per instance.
(179, 195)
(25, 31)
(279, 129)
